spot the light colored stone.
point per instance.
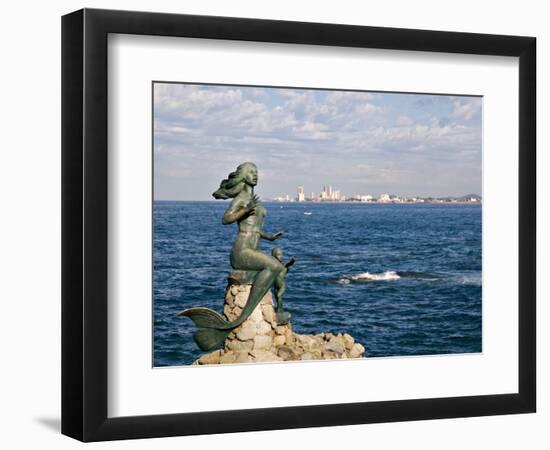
(263, 328)
(307, 342)
(229, 298)
(241, 298)
(281, 329)
(348, 341)
(356, 351)
(279, 340)
(256, 315)
(228, 358)
(210, 358)
(246, 332)
(288, 353)
(264, 356)
(234, 290)
(262, 342)
(267, 299)
(228, 311)
(319, 353)
(242, 357)
(290, 338)
(268, 313)
(239, 346)
(232, 313)
(306, 356)
(335, 346)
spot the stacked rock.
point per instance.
(261, 339)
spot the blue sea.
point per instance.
(402, 279)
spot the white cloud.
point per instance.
(318, 134)
(404, 121)
(311, 130)
(466, 109)
(192, 100)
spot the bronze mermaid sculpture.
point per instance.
(269, 271)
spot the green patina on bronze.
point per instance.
(250, 265)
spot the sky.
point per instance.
(358, 142)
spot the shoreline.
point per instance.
(334, 203)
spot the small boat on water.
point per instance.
(307, 213)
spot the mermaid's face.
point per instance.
(251, 175)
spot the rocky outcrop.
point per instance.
(260, 339)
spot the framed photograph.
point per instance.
(272, 224)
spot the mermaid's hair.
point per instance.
(230, 187)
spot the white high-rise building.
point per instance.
(384, 198)
(301, 195)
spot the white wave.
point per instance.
(367, 276)
(470, 279)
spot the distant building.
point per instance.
(328, 193)
(384, 198)
(365, 198)
(301, 195)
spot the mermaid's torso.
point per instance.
(249, 234)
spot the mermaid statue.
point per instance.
(250, 265)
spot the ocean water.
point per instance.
(402, 279)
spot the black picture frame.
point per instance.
(84, 224)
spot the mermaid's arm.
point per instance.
(290, 263)
(270, 237)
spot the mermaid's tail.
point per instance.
(212, 327)
(209, 338)
(204, 317)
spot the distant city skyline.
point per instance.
(328, 194)
(363, 143)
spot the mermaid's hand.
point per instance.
(276, 236)
(290, 263)
(249, 211)
(253, 203)
(256, 200)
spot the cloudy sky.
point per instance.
(359, 142)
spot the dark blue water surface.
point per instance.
(401, 279)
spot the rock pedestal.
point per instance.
(260, 339)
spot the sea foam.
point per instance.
(388, 275)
